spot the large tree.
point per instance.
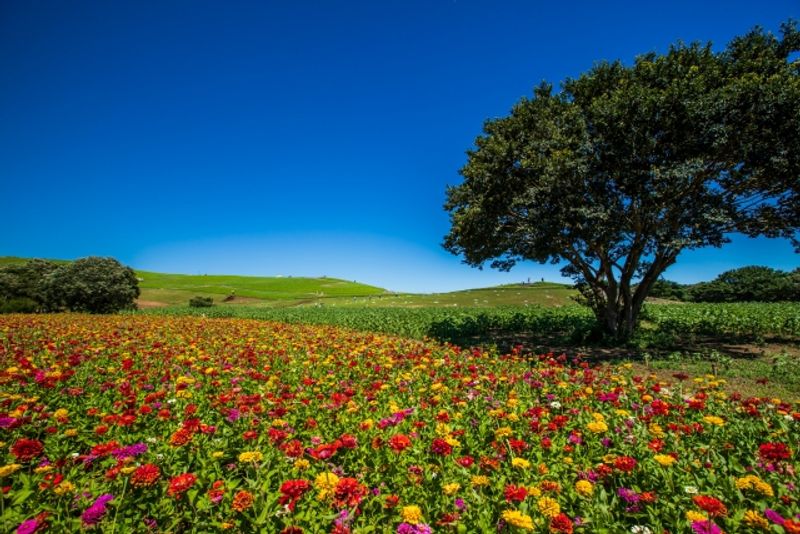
(626, 166)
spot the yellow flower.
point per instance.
(61, 413)
(480, 480)
(326, 484)
(9, 469)
(534, 491)
(752, 482)
(217, 454)
(664, 459)
(502, 432)
(43, 469)
(520, 463)
(453, 442)
(598, 427)
(518, 519)
(65, 487)
(411, 514)
(657, 431)
(755, 520)
(584, 488)
(714, 420)
(70, 433)
(693, 516)
(548, 507)
(302, 464)
(251, 456)
(451, 489)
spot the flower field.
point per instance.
(184, 424)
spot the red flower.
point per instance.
(561, 524)
(441, 447)
(292, 491)
(626, 464)
(399, 442)
(391, 501)
(180, 484)
(181, 437)
(325, 450)
(466, 461)
(348, 493)
(774, 452)
(27, 449)
(515, 493)
(105, 448)
(292, 449)
(145, 475)
(348, 441)
(710, 505)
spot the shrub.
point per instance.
(761, 284)
(18, 305)
(201, 302)
(94, 285)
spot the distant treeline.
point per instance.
(747, 284)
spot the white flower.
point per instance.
(555, 405)
(640, 529)
(690, 489)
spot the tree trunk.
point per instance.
(618, 314)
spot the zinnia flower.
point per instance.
(517, 519)
(145, 475)
(95, 513)
(292, 491)
(180, 484)
(548, 507)
(411, 514)
(27, 449)
(242, 501)
(711, 505)
(399, 442)
(584, 488)
(325, 484)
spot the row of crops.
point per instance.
(745, 321)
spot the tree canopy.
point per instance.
(95, 285)
(627, 166)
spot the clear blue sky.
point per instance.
(296, 137)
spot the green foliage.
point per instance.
(667, 289)
(18, 305)
(25, 287)
(757, 284)
(627, 166)
(201, 302)
(94, 285)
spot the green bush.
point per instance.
(94, 285)
(201, 302)
(749, 284)
(18, 305)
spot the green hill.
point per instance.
(161, 289)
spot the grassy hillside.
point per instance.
(537, 294)
(177, 289)
(171, 287)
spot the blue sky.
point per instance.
(296, 138)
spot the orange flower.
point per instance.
(242, 501)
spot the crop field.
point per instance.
(139, 423)
(747, 321)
